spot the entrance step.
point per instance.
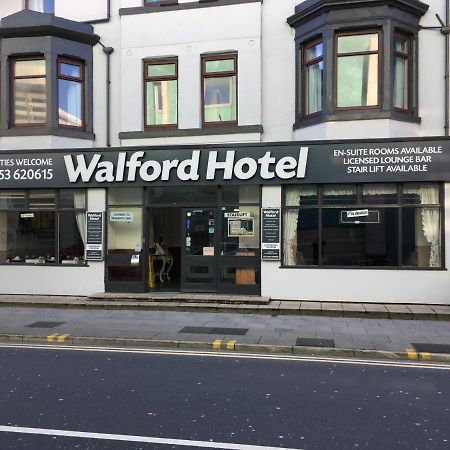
(181, 298)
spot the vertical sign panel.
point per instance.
(94, 236)
(270, 233)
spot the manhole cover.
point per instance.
(311, 342)
(432, 348)
(44, 324)
(214, 330)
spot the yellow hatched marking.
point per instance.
(425, 355)
(62, 337)
(231, 345)
(412, 354)
(51, 337)
(217, 344)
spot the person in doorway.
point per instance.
(162, 253)
(161, 248)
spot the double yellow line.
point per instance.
(412, 354)
(230, 345)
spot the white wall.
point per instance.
(146, 36)
(82, 10)
(8, 7)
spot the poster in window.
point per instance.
(240, 226)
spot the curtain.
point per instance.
(79, 199)
(378, 189)
(290, 236)
(429, 195)
(314, 83)
(400, 83)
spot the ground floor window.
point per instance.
(42, 226)
(376, 225)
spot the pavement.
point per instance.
(230, 323)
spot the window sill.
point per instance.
(191, 132)
(433, 269)
(356, 115)
(24, 264)
(47, 131)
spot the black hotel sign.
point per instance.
(372, 161)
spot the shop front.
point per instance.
(191, 239)
(342, 220)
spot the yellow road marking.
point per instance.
(51, 337)
(412, 354)
(230, 345)
(217, 344)
(425, 355)
(62, 337)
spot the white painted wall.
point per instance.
(8, 7)
(82, 10)
(146, 36)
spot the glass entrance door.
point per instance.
(199, 236)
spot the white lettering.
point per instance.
(81, 169)
(156, 171)
(226, 166)
(239, 168)
(192, 165)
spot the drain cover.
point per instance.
(44, 324)
(214, 330)
(431, 348)
(311, 342)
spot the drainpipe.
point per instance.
(445, 30)
(108, 52)
(446, 130)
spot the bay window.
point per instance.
(369, 225)
(357, 70)
(313, 76)
(70, 93)
(402, 71)
(29, 91)
(355, 61)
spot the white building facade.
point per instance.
(297, 150)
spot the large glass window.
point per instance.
(42, 226)
(70, 93)
(402, 50)
(313, 76)
(29, 92)
(161, 93)
(219, 75)
(357, 70)
(374, 225)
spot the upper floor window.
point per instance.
(44, 6)
(356, 61)
(357, 70)
(29, 92)
(161, 93)
(219, 80)
(402, 72)
(70, 93)
(313, 76)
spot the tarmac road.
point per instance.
(216, 401)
